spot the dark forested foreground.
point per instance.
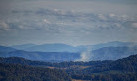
(20, 69)
(16, 72)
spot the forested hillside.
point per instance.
(120, 70)
(14, 72)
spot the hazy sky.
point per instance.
(74, 22)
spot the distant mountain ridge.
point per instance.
(61, 52)
(59, 47)
(40, 56)
(114, 44)
(6, 49)
(113, 53)
(23, 46)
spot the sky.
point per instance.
(73, 22)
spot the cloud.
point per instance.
(124, 17)
(102, 17)
(4, 26)
(111, 15)
(118, 25)
(62, 20)
(46, 21)
(134, 25)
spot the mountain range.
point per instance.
(59, 47)
(62, 52)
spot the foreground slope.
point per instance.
(120, 70)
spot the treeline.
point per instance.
(16, 72)
(23, 61)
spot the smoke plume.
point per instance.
(86, 55)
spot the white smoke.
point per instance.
(86, 55)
